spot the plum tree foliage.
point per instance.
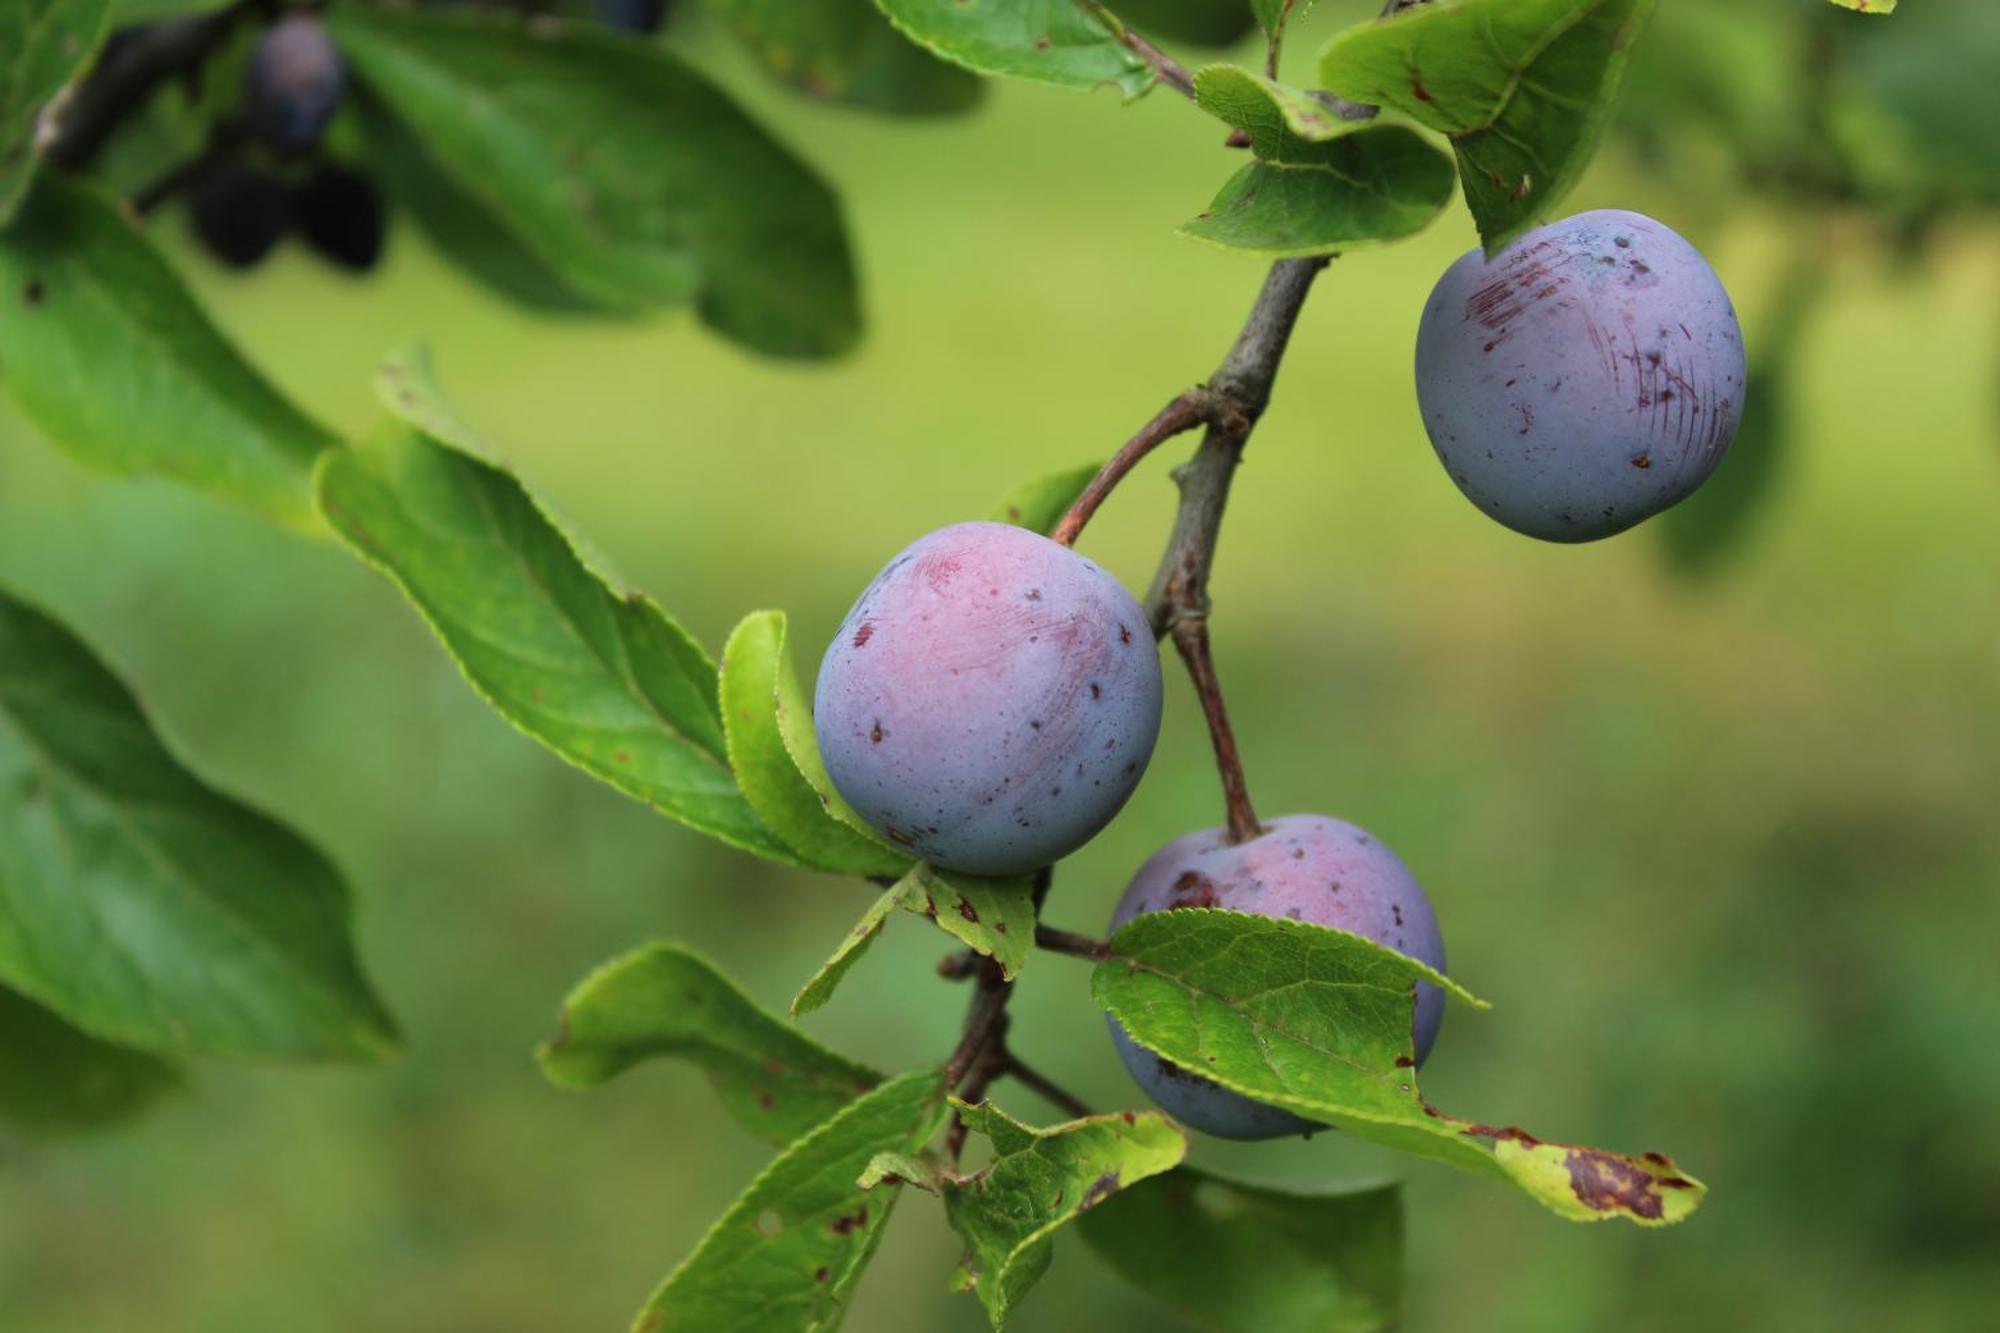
(994, 696)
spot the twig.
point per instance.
(132, 68)
(1190, 636)
(982, 1021)
(1071, 943)
(1171, 71)
(1036, 1082)
(1184, 413)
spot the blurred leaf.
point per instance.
(993, 917)
(110, 356)
(1320, 184)
(789, 1251)
(1196, 22)
(1039, 1181)
(460, 228)
(1273, 15)
(619, 168)
(821, 986)
(128, 12)
(1869, 6)
(56, 1080)
(1039, 505)
(43, 45)
(147, 908)
(664, 1000)
(605, 679)
(1915, 109)
(1523, 88)
(755, 674)
(1069, 43)
(846, 51)
(1242, 1258)
(1317, 1021)
(1702, 532)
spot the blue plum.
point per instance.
(293, 84)
(991, 700)
(1584, 379)
(1305, 867)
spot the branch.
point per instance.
(1184, 413)
(1035, 1082)
(1071, 943)
(1171, 71)
(1191, 638)
(132, 68)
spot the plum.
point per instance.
(1305, 867)
(1587, 377)
(240, 213)
(292, 84)
(341, 216)
(991, 700)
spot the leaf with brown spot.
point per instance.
(665, 1000)
(1038, 1182)
(1316, 1021)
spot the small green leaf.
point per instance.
(145, 907)
(1039, 1181)
(1242, 1258)
(1039, 505)
(1273, 15)
(605, 679)
(824, 982)
(110, 356)
(1317, 1021)
(845, 51)
(664, 1000)
(795, 728)
(55, 1080)
(752, 663)
(789, 1251)
(897, 1168)
(43, 45)
(619, 168)
(1068, 43)
(993, 917)
(1273, 114)
(1868, 6)
(1523, 87)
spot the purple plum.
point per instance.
(1587, 377)
(293, 84)
(991, 700)
(1305, 867)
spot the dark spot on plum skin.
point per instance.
(1194, 889)
(1096, 690)
(864, 634)
(876, 733)
(1643, 461)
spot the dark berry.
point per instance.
(341, 216)
(640, 16)
(239, 212)
(293, 83)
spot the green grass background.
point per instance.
(1724, 854)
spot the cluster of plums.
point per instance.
(993, 697)
(252, 191)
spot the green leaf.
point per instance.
(463, 230)
(992, 917)
(605, 679)
(1242, 1258)
(619, 168)
(664, 1000)
(1702, 532)
(795, 729)
(110, 356)
(1522, 87)
(1868, 6)
(1196, 22)
(897, 1168)
(1039, 1181)
(824, 982)
(1914, 112)
(845, 51)
(1039, 505)
(1317, 1021)
(142, 905)
(1275, 115)
(56, 1080)
(1068, 43)
(43, 45)
(789, 1252)
(755, 674)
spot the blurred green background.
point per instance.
(1723, 852)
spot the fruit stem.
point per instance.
(1071, 943)
(1191, 638)
(1038, 1083)
(1171, 71)
(1184, 413)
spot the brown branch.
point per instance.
(1184, 413)
(983, 1020)
(1071, 943)
(1038, 1083)
(1171, 72)
(133, 66)
(1190, 636)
